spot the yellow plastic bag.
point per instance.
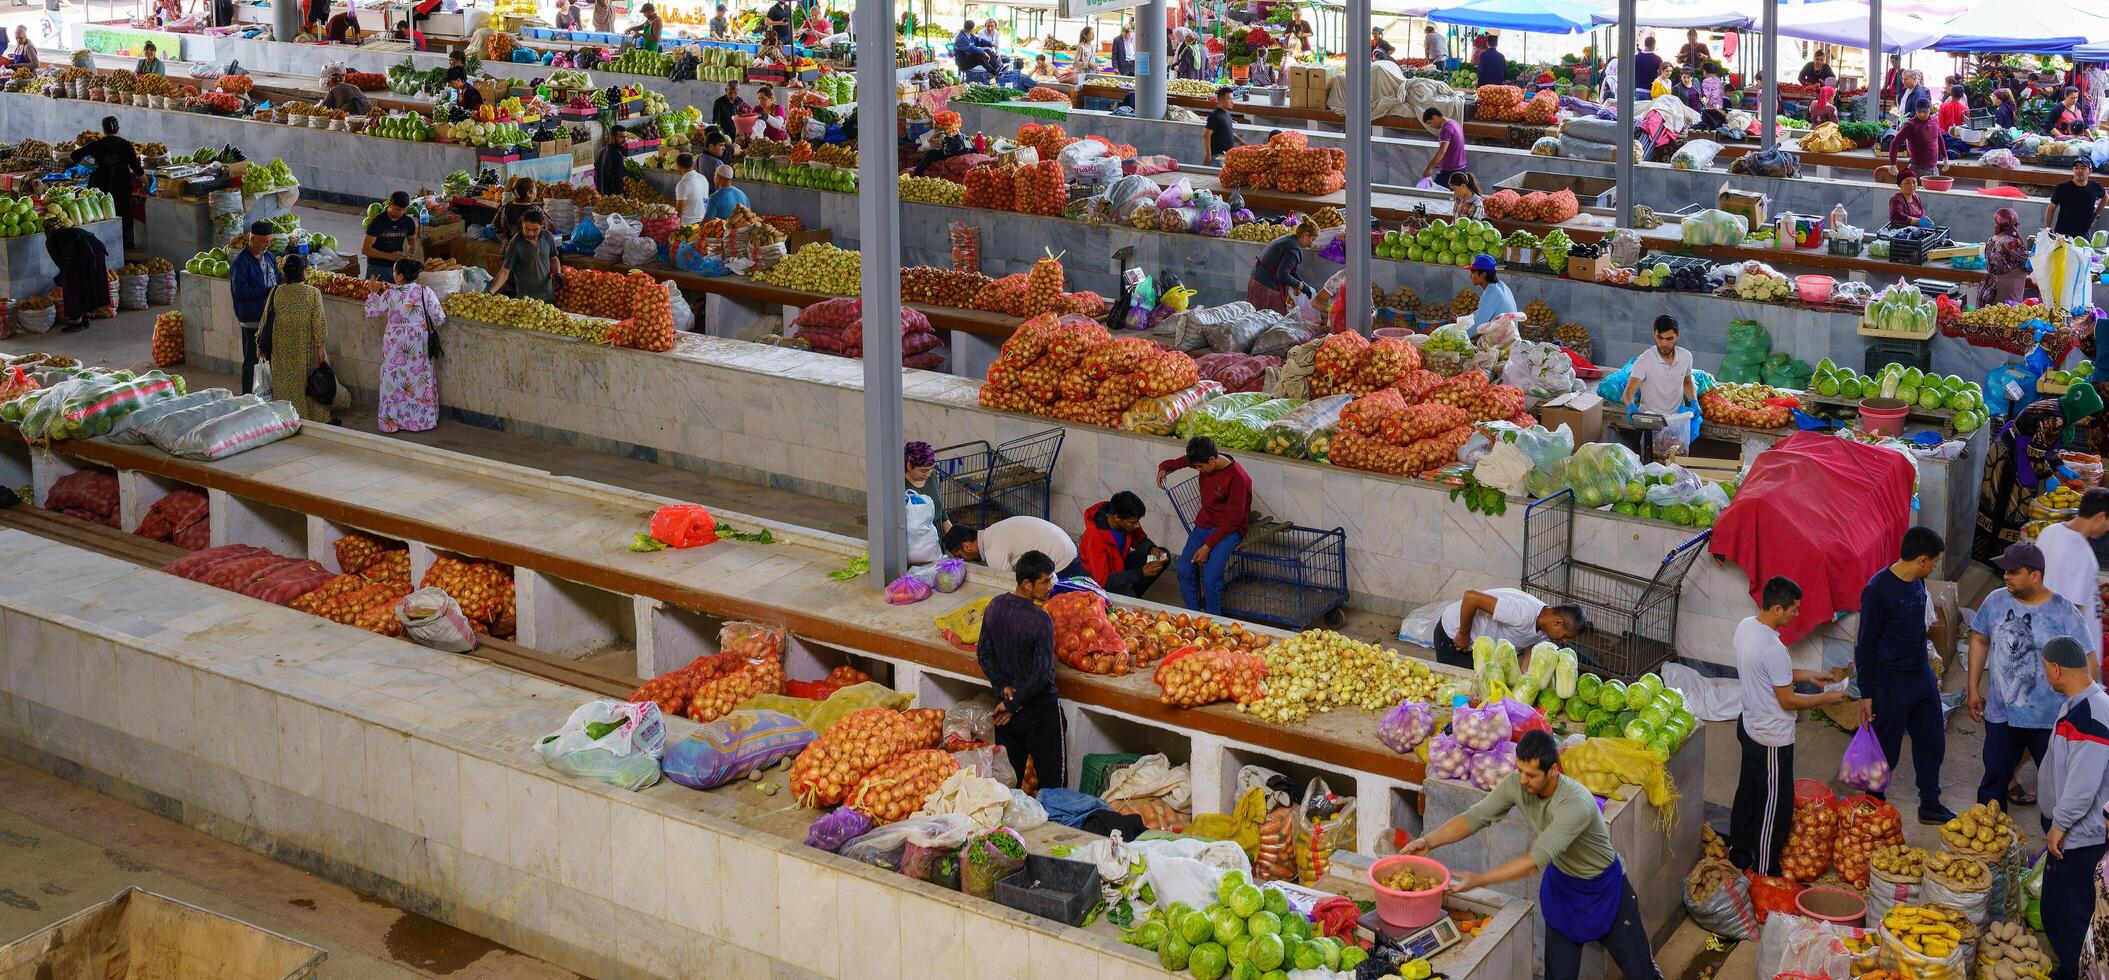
(821, 715)
(1240, 826)
(962, 626)
(1605, 764)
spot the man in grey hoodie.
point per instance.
(2074, 787)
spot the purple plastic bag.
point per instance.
(1405, 727)
(1479, 729)
(951, 574)
(1448, 758)
(1487, 768)
(832, 830)
(1864, 767)
(907, 589)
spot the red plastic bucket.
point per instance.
(1834, 905)
(1408, 910)
(1883, 416)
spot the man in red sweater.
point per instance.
(1226, 506)
(1116, 551)
(1920, 137)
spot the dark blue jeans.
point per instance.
(2004, 744)
(1911, 704)
(1202, 587)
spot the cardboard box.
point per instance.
(799, 239)
(1587, 270)
(1582, 412)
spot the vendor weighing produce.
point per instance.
(1582, 887)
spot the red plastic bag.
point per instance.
(1084, 637)
(684, 526)
(1769, 895)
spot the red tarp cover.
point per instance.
(1826, 512)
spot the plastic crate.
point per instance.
(1909, 353)
(1913, 253)
(1051, 888)
(1100, 765)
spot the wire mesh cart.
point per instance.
(1280, 573)
(982, 484)
(1635, 617)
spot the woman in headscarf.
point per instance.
(2024, 454)
(1192, 59)
(2066, 119)
(1825, 110)
(2006, 261)
(604, 16)
(926, 515)
(298, 335)
(84, 273)
(1905, 207)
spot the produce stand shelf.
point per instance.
(995, 326)
(1511, 134)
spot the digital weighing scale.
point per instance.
(1424, 942)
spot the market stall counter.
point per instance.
(792, 419)
(1398, 161)
(329, 165)
(720, 883)
(26, 268)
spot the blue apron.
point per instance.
(1581, 909)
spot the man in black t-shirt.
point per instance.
(778, 19)
(1221, 137)
(387, 237)
(2074, 204)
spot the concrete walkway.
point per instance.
(64, 848)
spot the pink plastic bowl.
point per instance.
(1408, 910)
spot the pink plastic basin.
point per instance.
(1937, 183)
(1814, 289)
(1391, 333)
(1883, 416)
(1835, 905)
(1408, 910)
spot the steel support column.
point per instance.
(1768, 93)
(1628, 11)
(1871, 108)
(1359, 177)
(879, 236)
(1151, 60)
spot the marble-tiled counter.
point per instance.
(1397, 160)
(344, 166)
(26, 268)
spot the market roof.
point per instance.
(2023, 27)
(1846, 23)
(1534, 16)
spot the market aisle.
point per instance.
(63, 848)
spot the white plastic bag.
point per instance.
(1024, 812)
(1187, 869)
(882, 846)
(684, 316)
(433, 619)
(1152, 776)
(639, 250)
(1695, 155)
(625, 755)
(1419, 625)
(1505, 468)
(239, 431)
(442, 282)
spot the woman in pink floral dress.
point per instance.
(409, 394)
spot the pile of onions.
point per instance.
(828, 769)
(895, 790)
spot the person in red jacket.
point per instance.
(1116, 551)
(1225, 507)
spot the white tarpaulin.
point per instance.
(1846, 24)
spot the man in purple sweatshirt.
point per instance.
(1921, 137)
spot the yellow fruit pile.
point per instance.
(1982, 829)
(1929, 930)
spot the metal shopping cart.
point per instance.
(1280, 573)
(982, 484)
(1635, 618)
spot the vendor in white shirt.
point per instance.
(2070, 569)
(1661, 379)
(1001, 544)
(1503, 614)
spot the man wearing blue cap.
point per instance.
(1494, 296)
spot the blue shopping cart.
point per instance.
(1281, 573)
(981, 484)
